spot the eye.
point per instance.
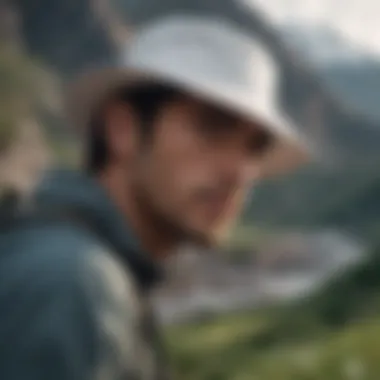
(260, 144)
(214, 129)
(215, 124)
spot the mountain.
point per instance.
(357, 84)
(67, 35)
(322, 45)
(350, 73)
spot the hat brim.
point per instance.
(290, 150)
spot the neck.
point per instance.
(153, 239)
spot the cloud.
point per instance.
(358, 20)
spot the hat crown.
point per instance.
(211, 49)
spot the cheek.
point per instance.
(181, 165)
(177, 182)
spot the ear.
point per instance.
(121, 132)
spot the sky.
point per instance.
(358, 20)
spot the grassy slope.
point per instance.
(219, 351)
(334, 334)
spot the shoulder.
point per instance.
(62, 285)
(64, 258)
(51, 251)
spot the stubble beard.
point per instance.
(169, 227)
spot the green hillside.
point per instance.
(331, 335)
(351, 353)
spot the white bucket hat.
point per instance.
(206, 57)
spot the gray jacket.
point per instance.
(74, 290)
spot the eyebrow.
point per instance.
(220, 114)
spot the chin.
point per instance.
(205, 236)
(208, 238)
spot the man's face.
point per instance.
(196, 169)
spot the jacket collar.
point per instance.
(82, 194)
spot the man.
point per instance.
(176, 135)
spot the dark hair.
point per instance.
(145, 101)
